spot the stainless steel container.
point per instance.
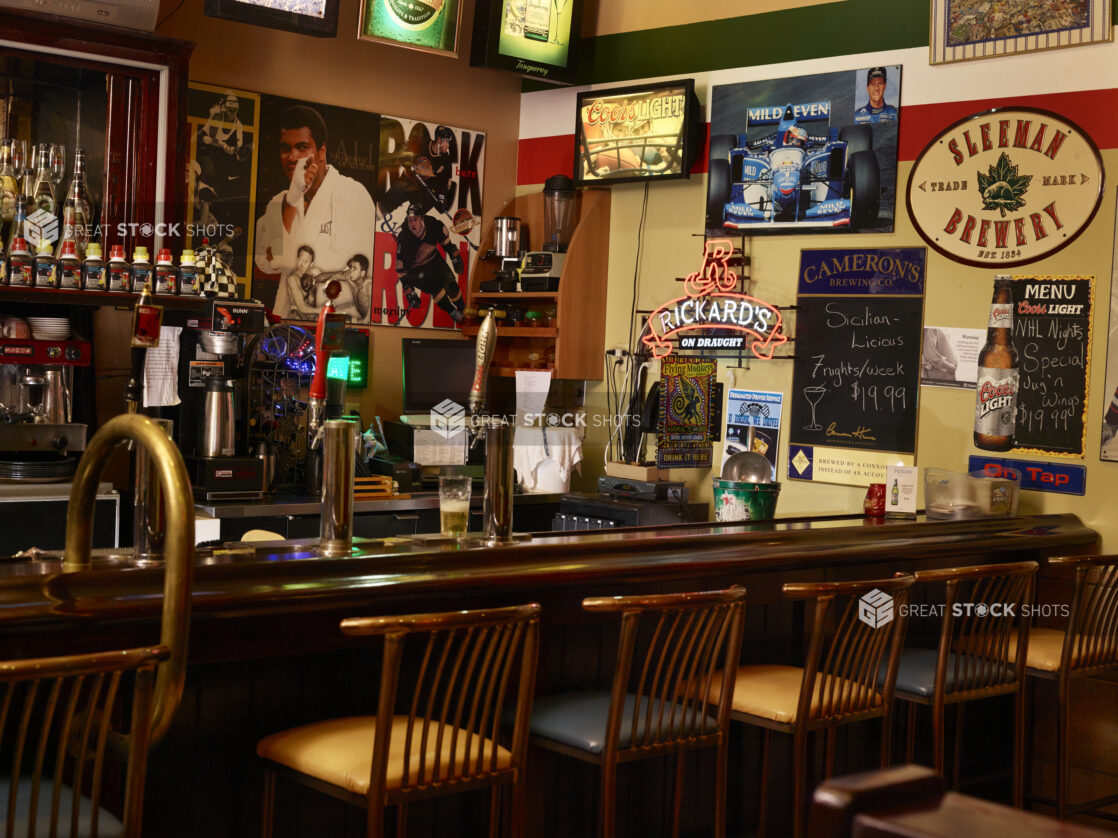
(338, 455)
(149, 517)
(506, 237)
(497, 506)
(218, 437)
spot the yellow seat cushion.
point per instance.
(340, 752)
(770, 691)
(1045, 648)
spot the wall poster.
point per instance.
(428, 195)
(315, 214)
(949, 356)
(221, 174)
(753, 419)
(683, 436)
(807, 154)
(855, 379)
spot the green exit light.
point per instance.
(338, 367)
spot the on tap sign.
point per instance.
(713, 316)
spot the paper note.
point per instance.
(161, 369)
(433, 448)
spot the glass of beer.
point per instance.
(454, 504)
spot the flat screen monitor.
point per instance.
(641, 133)
(435, 370)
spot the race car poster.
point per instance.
(315, 213)
(428, 196)
(221, 175)
(805, 154)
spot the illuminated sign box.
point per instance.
(640, 133)
(535, 38)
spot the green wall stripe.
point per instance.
(843, 28)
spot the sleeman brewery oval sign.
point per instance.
(1006, 187)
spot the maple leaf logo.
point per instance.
(1003, 189)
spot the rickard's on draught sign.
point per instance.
(1006, 187)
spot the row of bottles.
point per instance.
(20, 268)
(28, 202)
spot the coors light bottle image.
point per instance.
(995, 406)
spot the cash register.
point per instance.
(621, 502)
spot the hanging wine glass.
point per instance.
(57, 163)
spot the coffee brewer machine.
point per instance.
(37, 437)
(506, 249)
(540, 270)
(221, 467)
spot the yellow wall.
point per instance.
(371, 77)
(608, 17)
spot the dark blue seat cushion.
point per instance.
(917, 672)
(579, 720)
(107, 825)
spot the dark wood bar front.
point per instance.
(266, 652)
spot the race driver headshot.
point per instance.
(420, 264)
(875, 110)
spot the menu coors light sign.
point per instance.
(1006, 187)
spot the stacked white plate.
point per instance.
(49, 328)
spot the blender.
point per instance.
(540, 270)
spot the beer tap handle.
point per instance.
(486, 341)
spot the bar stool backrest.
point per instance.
(56, 728)
(685, 639)
(1091, 641)
(855, 628)
(474, 664)
(984, 615)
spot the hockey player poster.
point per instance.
(315, 213)
(428, 222)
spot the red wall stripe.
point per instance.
(1094, 111)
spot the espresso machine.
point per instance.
(37, 437)
(540, 270)
(221, 467)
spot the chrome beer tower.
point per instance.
(497, 506)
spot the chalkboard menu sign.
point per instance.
(856, 376)
(1052, 336)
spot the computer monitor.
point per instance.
(435, 370)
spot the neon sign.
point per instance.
(712, 304)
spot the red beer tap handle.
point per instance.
(321, 355)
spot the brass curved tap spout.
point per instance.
(179, 543)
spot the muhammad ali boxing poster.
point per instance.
(428, 198)
(315, 210)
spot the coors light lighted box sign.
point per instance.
(1006, 187)
(714, 316)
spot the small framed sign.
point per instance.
(535, 38)
(307, 17)
(425, 25)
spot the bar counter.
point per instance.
(266, 653)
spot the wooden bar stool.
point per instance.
(56, 727)
(660, 696)
(855, 629)
(984, 612)
(1087, 646)
(446, 741)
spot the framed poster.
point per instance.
(535, 38)
(426, 25)
(318, 18)
(964, 30)
(314, 212)
(641, 133)
(428, 194)
(223, 126)
(804, 155)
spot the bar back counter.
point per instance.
(266, 653)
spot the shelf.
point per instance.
(508, 371)
(69, 297)
(516, 331)
(515, 295)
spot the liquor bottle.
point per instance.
(4, 267)
(9, 187)
(537, 20)
(120, 274)
(166, 274)
(894, 494)
(76, 207)
(141, 270)
(27, 173)
(46, 268)
(69, 266)
(19, 222)
(42, 193)
(995, 408)
(20, 264)
(190, 279)
(94, 277)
